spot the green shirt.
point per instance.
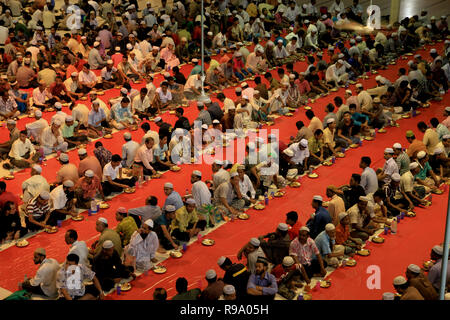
(402, 163)
(422, 175)
(109, 234)
(67, 131)
(442, 131)
(188, 295)
(314, 145)
(125, 229)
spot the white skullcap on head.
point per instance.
(129, 45)
(342, 215)
(190, 201)
(64, 157)
(304, 229)
(155, 48)
(204, 126)
(283, 227)
(304, 143)
(96, 44)
(210, 33)
(82, 151)
(340, 56)
(341, 62)
(89, 173)
(317, 198)
(398, 281)
(255, 242)
(288, 152)
(438, 151)
(197, 173)
(388, 296)
(330, 120)
(211, 274)
(149, 222)
(45, 195)
(433, 50)
(157, 119)
(124, 90)
(414, 268)
(445, 137)
(421, 154)
(216, 121)
(108, 244)
(74, 74)
(378, 78)
(388, 150)
(359, 85)
(348, 91)
(395, 177)
(292, 76)
(229, 289)
(413, 165)
(417, 56)
(38, 113)
(330, 227)
(234, 174)
(363, 198)
(37, 168)
(397, 145)
(68, 183)
(439, 250)
(69, 118)
(267, 35)
(352, 41)
(170, 208)
(58, 105)
(410, 63)
(221, 260)
(288, 261)
(110, 61)
(168, 185)
(102, 220)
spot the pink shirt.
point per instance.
(117, 58)
(303, 86)
(306, 252)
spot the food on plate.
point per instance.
(363, 252)
(428, 264)
(130, 190)
(313, 175)
(382, 130)
(208, 242)
(295, 184)
(175, 168)
(259, 206)
(278, 194)
(327, 163)
(333, 89)
(78, 218)
(368, 138)
(104, 205)
(22, 243)
(125, 286)
(325, 204)
(9, 177)
(354, 145)
(108, 136)
(308, 107)
(325, 283)
(176, 254)
(51, 230)
(160, 269)
(243, 216)
(289, 114)
(378, 239)
(340, 155)
(350, 262)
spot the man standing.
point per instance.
(143, 245)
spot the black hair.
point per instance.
(330, 107)
(181, 285)
(145, 126)
(153, 201)
(72, 257)
(98, 144)
(299, 124)
(309, 114)
(356, 177)
(434, 122)
(380, 193)
(422, 125)
(318, 132)
(366, 160)
(292, 215)
(160, 294)
(338, 101)
(116, 158)
(179, 110)
(73, 234)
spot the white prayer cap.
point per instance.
(445, 137)
(388, 150)
(204, 126)
(245, 97)
(68, 183)
(267, 35)
(401, 29)
(439, 250)
(398, 281)
(306, 21)
(191, 201)
(410, 63)
(69, 118)
(82, 151)
(283, 227)
(168, 185)
(388, 296)
(447, 41)
(395, 177)
(124, 90)
(74, 74)
(102, 220)
(129, 46)
(169, 208)
(244, 84)
(58, 105)
(280, 41)
(255, 242)
(200, 103)
(260, 50)
(413, 165)
(239, 54)
(378, 78)
(149, 222)
(216, 121)
(438, 151)
(304, 143)
(342, 215)
(421, 154)
(195, 60)
(11, 121)
(317, 198)
(341, 55)
(110, 61)
(117, 48)
(234, 174)
(304, 229)
(397, 145)
(197, 173)
(127, 135)
(433, 50)
(64, 157)
(330, 227)
(288, 152)
(221, 261)
(281, 10)
(443, 17)
(38, 113)
(363, 198)
(340, 61)
(251, 146)
(330, 120)
(366, 50)
(40, 251)
(447, 109)
(96, 44)
(39, 28)
(305, 6)
(157, 119)
(292, 76)
(358, 38)
(352, 41)
(37, 168)
(349, 92)
(44, 195)
(414, 268)
(218, 162)
(288, 261)
(155, 48)
(229, 289)
(208, 100)
(89, 173)
(359, 85)
(211, 274)
(417, 56)
(108, 244)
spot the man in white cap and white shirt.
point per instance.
(34, 185)
(419, 281)
(407, 291)
(301, 155)
(35, 128)
(142, 247)
(51, 139)
(129, 149)
(414, 192)
(62, 200)
(251, 250)
(200, 191)
(336, 73)
(44, 282)
(390, 167)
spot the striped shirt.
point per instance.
(403, 162)
(37, 210)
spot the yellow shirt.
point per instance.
(430, 140)
(183, 218)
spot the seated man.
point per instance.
(72, 134)
(343, 237)
(110, 76)
(87, 79)
(361, 220)
(35, 128)
(112, 177)
(301, 155)
(32, 186)
(326, 243)
(109, 268)
(397, 200)
(14, 134)
(23, 154)
(426, 177)
(63, 201)
(407, 291)
(44, 282)
(97, 121)
(121, 116)
(67, 291)
(348, 131)
(161, 160)
(224, 197)
(87, 188)
(183, 293)
(319, 219)
(149, 211)
(193, 86)
(262, 283)
(52, 140)
(162, 100)
(419, 281)
(143, 245)
(8, 106)
(38, 215)
(252, 251)
(407, 185)
(277, 245)
(126, 226)
(187, 223)
(144, 157)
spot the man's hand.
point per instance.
(101, 296)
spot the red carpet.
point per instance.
(231, 236)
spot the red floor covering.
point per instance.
(230, 237)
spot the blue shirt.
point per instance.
(280, 38)
(268, 282)
(120, 114)
(174, 199)
(359, 118)
(323, 243)
(196, 70)
(160, 153)
(317, 225)
(94, 117)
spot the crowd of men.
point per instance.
(48, 69)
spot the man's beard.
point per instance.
(144, 235)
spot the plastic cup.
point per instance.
(59, 223)
(300, 296)
(119, 289)
(386, 230)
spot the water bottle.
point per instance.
(394, 226)
(266, 199)
(93, 207)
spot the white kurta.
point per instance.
(143, 250)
